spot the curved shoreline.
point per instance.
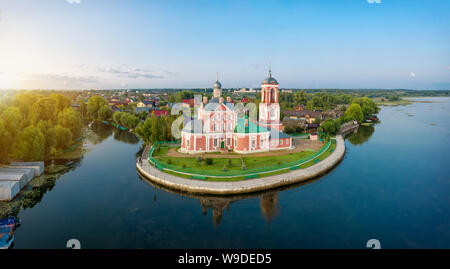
(245, 186)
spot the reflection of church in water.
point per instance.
(268, 205)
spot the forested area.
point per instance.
(156, 128)
(360, 110)
(37, 125)
(150, 129)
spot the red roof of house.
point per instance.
(190, 102)
(158, 113)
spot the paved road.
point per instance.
(244, 186)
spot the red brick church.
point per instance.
(217, 126)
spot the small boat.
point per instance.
(7, 228)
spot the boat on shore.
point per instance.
(7, 228)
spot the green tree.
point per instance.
(61, 101)
(367, 105)
(344, 118)
(6, 141)
(47, 129)
(13, 120)
(300, 97)
(44, 109)
(163, 128)
(144, 130)
(94, 104)
(24, 101)
(70, 118)
(105, 113)
(310, 105)
(172, 98)
(155, 130)
(355, 111)
(63, 137)
(116, 117)
(30, 145)
(129, 121)
(329, 127)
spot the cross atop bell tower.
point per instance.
(217, 87)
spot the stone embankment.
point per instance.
(348, 127)
(244, 186)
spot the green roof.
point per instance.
(251, 128)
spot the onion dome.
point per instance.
(217, 85)
(270, 79)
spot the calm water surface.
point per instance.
(393, 185)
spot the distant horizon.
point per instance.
(199, 88)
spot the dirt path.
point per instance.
(300, 145)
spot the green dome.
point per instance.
(270, 79)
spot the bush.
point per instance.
(229, 162)
(183, 165)
(209, 161)
(169, 161)
(289, 130)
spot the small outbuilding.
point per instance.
(8, 190)
(19, 177)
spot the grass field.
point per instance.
(218, 163)
(192, 163)
(228, 167)
(261, 162)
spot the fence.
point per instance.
(235, 173)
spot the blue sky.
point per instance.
(163, 44)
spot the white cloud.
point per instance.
(59, 78)
(412, 74)
(74, 1)
(374, 1)
(134, 72)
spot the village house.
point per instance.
(187, 102)
(158, 113)
(307, 115)
(145, 103)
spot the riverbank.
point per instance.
(245, 186)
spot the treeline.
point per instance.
(125, 119)
(98, 109)
(360, 110)
(35, 126)
(313, 101)
(150, 129)
(156, 129)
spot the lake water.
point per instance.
(393, 185)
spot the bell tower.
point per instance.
(269, 108)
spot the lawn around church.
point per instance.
(255, 166)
